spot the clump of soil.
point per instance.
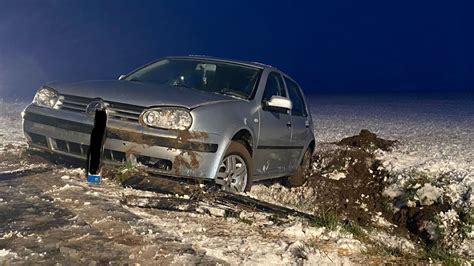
(348, 180)
(123, 172)
(356, 191)
(415, 218)
(367, 141)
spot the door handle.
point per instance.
(306, 123)
(288, 124)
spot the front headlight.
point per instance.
(168, 118)
(46, 97)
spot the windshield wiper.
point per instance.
(182, 86)
(233, 93)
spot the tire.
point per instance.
(303, 171)
(228, 177)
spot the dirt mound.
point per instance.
(367, 141)
(349, 181)
(349, 184)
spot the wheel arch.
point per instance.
(311, 146)
(245, 136)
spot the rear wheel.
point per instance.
(235, 169)
(303, 171)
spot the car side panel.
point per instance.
(299, 139)
(270, 158)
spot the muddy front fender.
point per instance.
(226, 120)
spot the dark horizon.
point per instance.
(328, 47)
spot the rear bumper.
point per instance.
(166, 152)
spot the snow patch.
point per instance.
(428, 194)
(336, 175)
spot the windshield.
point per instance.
(204, 75)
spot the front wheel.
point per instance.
(235, 169)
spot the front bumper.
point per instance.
(173, 153)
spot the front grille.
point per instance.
(114, 155)
(119, 111)
(70, 147)
(82, 150)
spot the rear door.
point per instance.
(271, 158)
(301, 130)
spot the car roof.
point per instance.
(225, 60)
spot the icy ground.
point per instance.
(55, 217)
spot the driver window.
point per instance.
(274, 87)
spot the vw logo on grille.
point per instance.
(96, 105)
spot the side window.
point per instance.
(274, 87)
(296, 98)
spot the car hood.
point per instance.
(141, 94)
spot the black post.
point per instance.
(96, 147)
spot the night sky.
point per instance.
(327, 46)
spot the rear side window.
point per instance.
(296, 98)
(274, 87)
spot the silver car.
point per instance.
(220, 120)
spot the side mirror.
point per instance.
(121, 77)
(279, 102)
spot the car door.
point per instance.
(275, 132)
(301, 130)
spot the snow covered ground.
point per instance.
(435, 133)
(435, 130)
(10, 122)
